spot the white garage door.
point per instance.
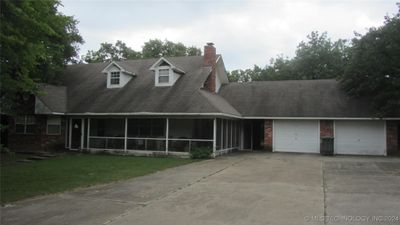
(360, 137)
(296, 136)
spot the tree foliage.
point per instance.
(108, 52)
(151, 49)
(373, 70)
(317, 58)
(37, 42)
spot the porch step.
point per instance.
(37, 157)
(24, 160)
(47, 155)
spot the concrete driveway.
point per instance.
(246, 188)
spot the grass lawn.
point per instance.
(65, 172)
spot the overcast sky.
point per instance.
(244, 32)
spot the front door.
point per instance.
(76, 134)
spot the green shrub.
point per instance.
(201, 153)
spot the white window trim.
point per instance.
(158, 76)
(25, 124)
(119, 77)
(47, 126)
(110, 78)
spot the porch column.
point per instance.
(222, 134)
(166, 135)
(241, 135)
(126, 134)
(66, 131)
(70, 133)
(215, 137)
(88, 134)
(82, 133)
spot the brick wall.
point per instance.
(326, 128)
(39, 140)
(392, 135)
(268, 135)
(210, 60)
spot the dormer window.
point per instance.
(163, 76)
(114, 78)
(117, 76)
(166, 73)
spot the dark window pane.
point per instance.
(30, 129)
(163, 79)
(19, 128)
(53, 129)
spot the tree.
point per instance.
(157, 48)
(37, 42)
(374, 67)
(109, 52)
(318, 58)
(151, 49)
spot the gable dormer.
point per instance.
(117, 76)
(165, 73)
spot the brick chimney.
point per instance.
(210, 57)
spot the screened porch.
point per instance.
(168, 135)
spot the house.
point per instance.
(172, 105)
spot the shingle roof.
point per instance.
(294, 98)
(54, 97)
(87, 92)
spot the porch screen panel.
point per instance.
(147, 128)
(107, 127)
(107, 133)
(191, 128)
(146, 134)
(229, 133)
(219, 134)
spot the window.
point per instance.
(114, 79)
(25, 124)
(53, 125)
(163, 76)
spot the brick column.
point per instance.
(392, 137)
(268, 135)
(326, 128)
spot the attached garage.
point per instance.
(296, 136)
(360, 137)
